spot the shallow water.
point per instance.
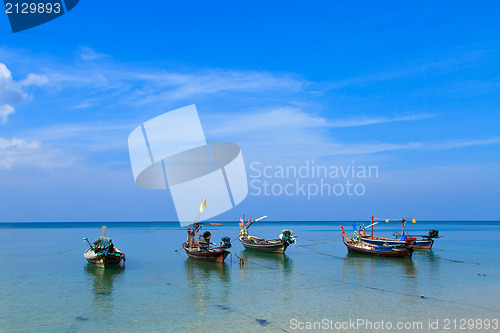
(47, 286)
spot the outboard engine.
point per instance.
(287, 237)
(225, 242)
(204, 241)
(433, 233)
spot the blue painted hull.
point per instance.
(420, 244)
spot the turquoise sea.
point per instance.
(46, 284)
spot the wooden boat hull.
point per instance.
(270, 247)
(421, 244)
(103, 261)
(214, 255)
(395, 253)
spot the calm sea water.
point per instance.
(46, 284)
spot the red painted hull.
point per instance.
(214, 255)
(399, 253)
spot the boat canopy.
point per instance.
(103, 245)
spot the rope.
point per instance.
(321, 239)
(253, 262)
(242, 262)
(459, 261)
(331, 240)
(324, 254)
(419, 296)
(60, 252)
(80, 318)
(398, 292)
(392, 291)
(42, 255)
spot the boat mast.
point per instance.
(198, 223)
(403, 222)
(372, 227)
(244, 226)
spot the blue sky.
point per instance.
(411, 88)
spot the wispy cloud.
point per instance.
(88, 137)
(88, 53)
(289, 117)
(21, 153)
(295, 125)
(371, 148)
(103, 82)
(172, 86)
(294, 133)
(18, 144)
(461, 144)
(411, 69)
(364, 121)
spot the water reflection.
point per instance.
(198, 271)
(272, 261)
(382, 273)
(103, 281)
(208, 285)
(372, 265)
(432, 258)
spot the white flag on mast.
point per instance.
(203, 205)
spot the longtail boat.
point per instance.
(102, 253)
(203, 249)
(421, 242)
(354, 244)
(278, 245)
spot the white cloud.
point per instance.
(4, 72)
(292, 131)
(34, 79)
(12, 93)
(22, 153)
(5, 111)
(18, 143)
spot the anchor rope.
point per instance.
(421, 296)
(40, 256)
(75, 321)
(324, 254)
(253, 262)
(397, 292)
(331, 240)
(457, 261)
(322, 239)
